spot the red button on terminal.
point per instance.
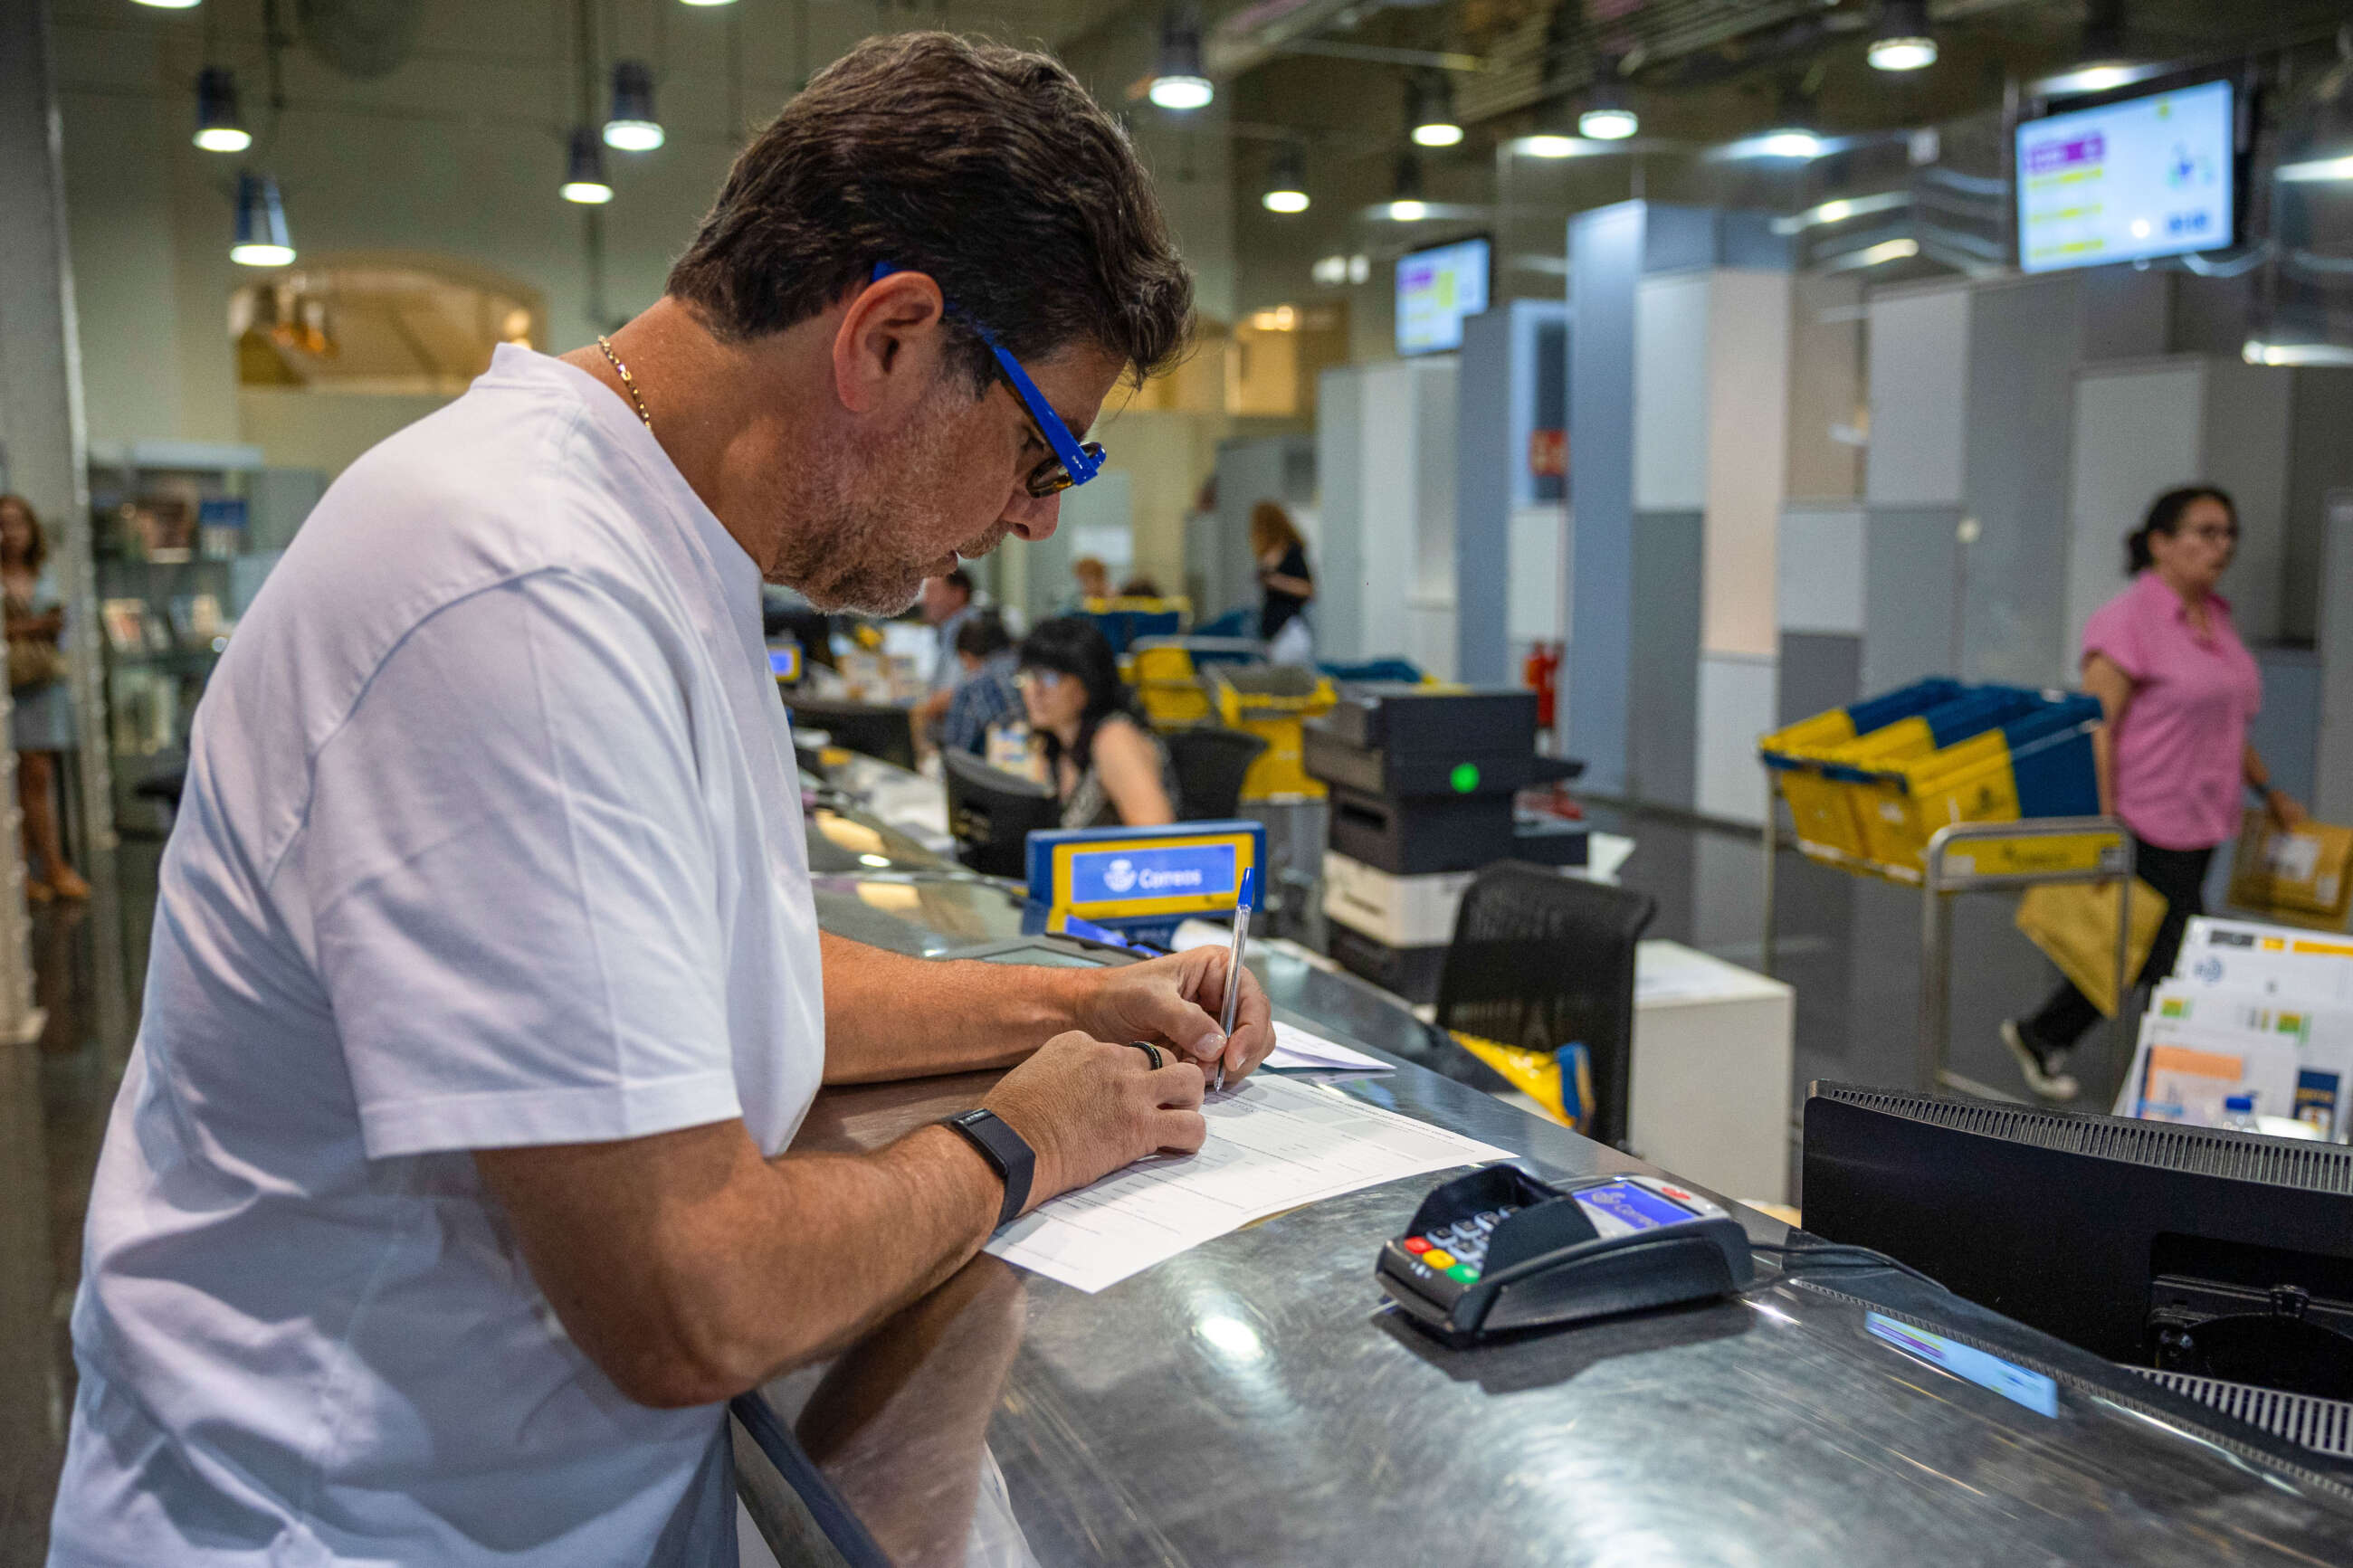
(1415, 1244)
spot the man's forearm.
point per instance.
(889, 1016)
(689, 1269)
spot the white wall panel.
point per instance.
(1747, 436)
(1918, 370)
(2138, 431)
(1670, 403)
(1385, 506)
(1540, 551)
(1819, 568)
(1735, 705)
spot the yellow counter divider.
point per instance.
(1270, 701)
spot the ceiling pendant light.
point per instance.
(219, 127)
(1178, 83)
(584, 172)
(1429, 101)
(1406, 205)
(1902, 41)
(708, 2)
(169, 5)
(261, 238)
(631, 126)
(1286, 182)
(1607, 116)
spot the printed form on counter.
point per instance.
(1275, 1144)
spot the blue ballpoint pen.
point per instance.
(1234, 967)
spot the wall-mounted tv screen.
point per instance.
(1436, 288)
(2145, 176)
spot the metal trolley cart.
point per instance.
(1950, 789)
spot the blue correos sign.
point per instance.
(1184, 871)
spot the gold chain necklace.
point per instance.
(629, 382)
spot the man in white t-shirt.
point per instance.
(448, 1192)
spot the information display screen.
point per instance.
(1436, 288)
(2148, 176)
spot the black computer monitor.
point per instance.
(992, 814)
(875, 729)
(2224, 1255)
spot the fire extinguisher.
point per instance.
(1542, 673)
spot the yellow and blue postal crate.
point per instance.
(2037, 762)
(1138, 879)
(1821, 807)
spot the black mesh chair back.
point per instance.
(878, 730)
(1210, 764)
(1540, 960)
(992, 814)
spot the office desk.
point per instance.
(1253, 1402)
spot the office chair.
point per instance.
(992, 814)
(1210, 763)
(879, 729)
(1539, 961)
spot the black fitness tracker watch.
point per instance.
(1007, 1154)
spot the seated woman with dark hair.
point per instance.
(1108, 768)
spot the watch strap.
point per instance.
(1008, 1153)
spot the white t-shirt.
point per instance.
(489, 840)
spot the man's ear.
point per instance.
(889, 344)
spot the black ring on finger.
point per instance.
(1150, 1050)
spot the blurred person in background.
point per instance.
(946, 605)
(42, 728)
(1285, 584)
(1109, 769)
(1140, 586)
(2176, 691)
(989, 696)
(1094, 580)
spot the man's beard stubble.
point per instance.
(862, 542)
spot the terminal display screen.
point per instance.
(1436, 288)
(2148, 176)
(1621, 1208)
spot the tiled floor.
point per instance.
(1851, 948)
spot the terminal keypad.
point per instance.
(1459, 1250)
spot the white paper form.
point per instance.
(1297, 1051)
(1275, 1144)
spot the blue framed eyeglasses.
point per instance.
(1074, 462)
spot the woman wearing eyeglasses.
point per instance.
(2176, 688)
(1108, 768)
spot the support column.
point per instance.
(41, 425)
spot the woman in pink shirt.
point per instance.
(2178, 689)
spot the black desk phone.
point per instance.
(1499, 1250)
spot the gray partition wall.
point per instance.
(1515, 367)
(1678, 402)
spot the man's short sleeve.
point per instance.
(511, 881)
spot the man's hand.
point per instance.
(1174, 1002)
(1086, 1107)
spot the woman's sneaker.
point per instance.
(2044, 1065)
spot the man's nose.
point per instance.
(1034, 517)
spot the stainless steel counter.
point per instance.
(1254, 1402)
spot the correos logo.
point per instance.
(1119, 875)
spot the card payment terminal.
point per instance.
(1500, 1250)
